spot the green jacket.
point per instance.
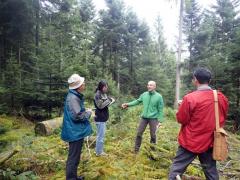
(152, 105)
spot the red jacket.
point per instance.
(196, 115)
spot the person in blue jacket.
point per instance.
(76, 125)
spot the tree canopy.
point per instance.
(43, 42)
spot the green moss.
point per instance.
(194, 171)
(46, 156)
(13, 125)
(169, 113)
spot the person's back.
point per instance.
(200, 119)
(196, 115)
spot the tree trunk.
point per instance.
(115, 65)
(131, 60)
(3, 57)
(238, 93)
(177, 92)
(110, 58)
(61, 54)
(118, 77)
(85, 28)
(46, 128)
(19, 63)
(37, 27)
(50, 96)
(103, 57)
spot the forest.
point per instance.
(43, 42)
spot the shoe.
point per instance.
(135, 151)
(80, 178)
(102, 154)
(153, 148)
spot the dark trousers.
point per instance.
(184, 157)
(153, 123)
(74, 153)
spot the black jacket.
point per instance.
(101, 102)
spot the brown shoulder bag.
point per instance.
(220, 145)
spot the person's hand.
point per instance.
(124, 105)
(159, 124)
(179, 102)
(90, 111)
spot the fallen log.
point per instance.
(231, 174)
(7, 155)
(46, 128)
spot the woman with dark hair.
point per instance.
(101, 102)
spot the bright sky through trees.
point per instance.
(149, 10)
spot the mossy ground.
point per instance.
(45, 157)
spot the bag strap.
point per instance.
(216, 109)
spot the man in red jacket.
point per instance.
(197, 119)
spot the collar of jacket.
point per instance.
(76, 93)
(101, 93)
(151, 92)
(203, 87)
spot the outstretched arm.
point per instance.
(183, 114)
(132, 103)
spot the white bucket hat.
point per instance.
(75, 81)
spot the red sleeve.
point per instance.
(183, 114)
(223, 107)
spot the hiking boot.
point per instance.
(135, 152)
(153, 148)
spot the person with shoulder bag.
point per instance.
(196, 114)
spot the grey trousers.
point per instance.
(153, 123)
(75, 149)
(184, 157)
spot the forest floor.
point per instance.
(40, 157)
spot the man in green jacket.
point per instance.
(152, 113)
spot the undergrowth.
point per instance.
(45, 157)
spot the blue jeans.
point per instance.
(101, 128)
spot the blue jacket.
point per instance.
(76, 123)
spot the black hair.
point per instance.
(203, 75)
(101, 84)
